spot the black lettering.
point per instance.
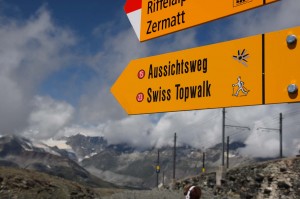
(158, 25)
(182, 17)
(155, 72)
(186, 93)
(149, 98)
(208, 89)
(204, 67)
(160, 71)
(173, 69)
(154, 25)
(199, 91)
(163, 98)
(173, 22)
(193, 65)
(177, 90)
(169, 94)
(178, 21)
(193, 91)
(150, 75)
(165, 23)
(165, 70)
(157, 5)
(160, 95)
(149, 7)
(186, 64)
(182, 64)
(149, 22)
(165, 3)
(181, 92)
(189, 92)
(177, 67)
(199, 64)
(182, 1)
(155, 96)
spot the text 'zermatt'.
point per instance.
(168, 22)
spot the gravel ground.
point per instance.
(151, 194)
(154, 194)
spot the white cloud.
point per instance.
(196, 128)
(74, 129)
(29, 51)
(134, 130)
(48, 117)
(276, 16)
(265, 143)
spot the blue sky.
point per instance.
(59, 59)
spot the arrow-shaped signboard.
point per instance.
(249, 71)
(155, 18)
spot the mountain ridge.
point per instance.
(20, 152)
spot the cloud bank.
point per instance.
(33, 49)
(29, 51)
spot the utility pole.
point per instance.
(241, 127)
(163, 178)
(223, 136)
(174, 157)
(227, 152)
(157, 168)
(280, 134)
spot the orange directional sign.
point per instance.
(154, 18)
(248, 71)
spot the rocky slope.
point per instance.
(23, 184)
(273, 179)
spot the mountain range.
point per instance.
(94, 162)
(125, 165)
(20, 152)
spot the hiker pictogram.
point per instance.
(240, 88)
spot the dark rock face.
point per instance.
(85, 145)
(273, 179)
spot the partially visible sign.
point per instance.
(282, 66)
(155, 18)
(249, 71)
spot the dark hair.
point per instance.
(193, 191)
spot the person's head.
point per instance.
(192, 192)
